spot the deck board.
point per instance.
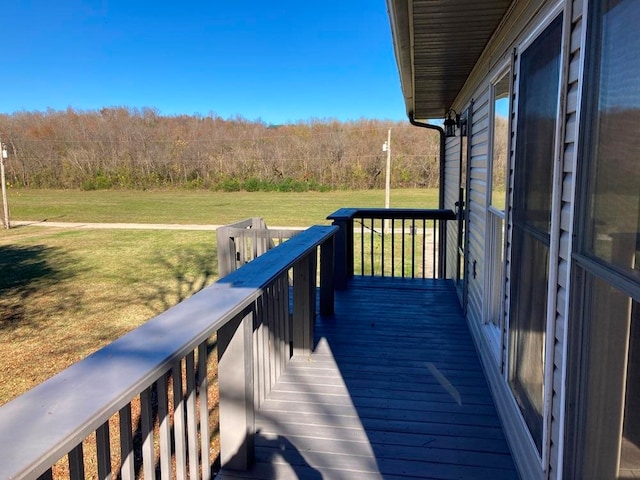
(394, 389)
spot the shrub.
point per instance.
(229, 185)
(253, 185)
(99, 181)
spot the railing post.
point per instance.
(235, 381)
(349, 249)
(304, 304)
(341, 253)
(343, 219)
(226, 252)
(327, 284)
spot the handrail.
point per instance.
(400, 248)
(392, 213)
(52, 419)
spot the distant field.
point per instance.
(179, 206)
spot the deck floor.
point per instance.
(394, 389)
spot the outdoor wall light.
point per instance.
(451, 122)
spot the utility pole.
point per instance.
(387, 190)
(5, 205)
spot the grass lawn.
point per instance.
(65, 293)
(200, 207)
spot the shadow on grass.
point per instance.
(26, 275)
(183, 274)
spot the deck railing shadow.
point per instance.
(413, 381)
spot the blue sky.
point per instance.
(279, 61)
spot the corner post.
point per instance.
(327, 283)
(343, 219)
(226, 252)
(304, 303)
(442, 249)
(235, 380)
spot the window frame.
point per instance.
(494, 304)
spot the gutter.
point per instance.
(440, 130)
(442, 232)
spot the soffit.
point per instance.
(437, 43)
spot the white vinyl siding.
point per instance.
(477, 201)
(566, 229)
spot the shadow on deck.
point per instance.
(394, 389)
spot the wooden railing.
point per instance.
(390, 242)
(241, 242)
(256, 337)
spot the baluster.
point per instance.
(76, 463)
(146, 417)
(127, 468)
(103, 449)
(372, 232)
(393, 247)
(192, 419)
(48, 475)
(203, 387)
(424, 247)
(403, 246)
(413, 248)
(362, 246)
(165, 427)
(435, 245)
(179, 426)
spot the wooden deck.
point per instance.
(394, 389)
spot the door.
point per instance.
(537, 107)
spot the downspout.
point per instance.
(442, 252)
(440, 130)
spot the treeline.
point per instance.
(131, 148)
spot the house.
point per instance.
(541, 100)
(541, 108)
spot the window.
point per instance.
(613, 220)
(500, 131)
(607, 430)
(604, 369)
(535, 145)
(494, 281)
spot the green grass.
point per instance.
(209, 208)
